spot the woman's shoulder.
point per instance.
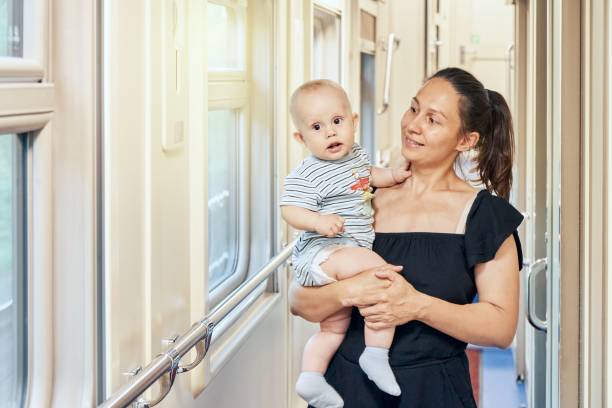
(487, 205)
(490, 221)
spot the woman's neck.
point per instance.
(425, 180)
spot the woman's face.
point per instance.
(430, 127)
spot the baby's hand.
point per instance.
(329, 225)
(400, 174)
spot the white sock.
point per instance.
(313, 388)
(375, 363)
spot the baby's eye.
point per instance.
(432, 121)
(316, 126)
(337, 121)
(412, 109)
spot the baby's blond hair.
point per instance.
(312, 86)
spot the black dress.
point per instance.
(430, 366)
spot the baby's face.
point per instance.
(325, 123)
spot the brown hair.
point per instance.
(486, 112)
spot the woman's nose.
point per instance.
(412, 126)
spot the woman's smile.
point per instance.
(411, 143)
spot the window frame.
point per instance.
(19, 260)
(330, 12)
(27, 104)
(20, 252)
(241, 261)
(35, 45)
(228, 89)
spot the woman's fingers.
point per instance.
(371, 310)
(389, 267)
(366, 288)
(378, 325)
(366, 300)
(386, 274)
(376, 319)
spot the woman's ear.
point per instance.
(468, 141)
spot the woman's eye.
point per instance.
(337, 121)
(316, 126)
(412, 109)
(432, 121)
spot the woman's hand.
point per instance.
(396, 304)
(315, 304)
(367, 284)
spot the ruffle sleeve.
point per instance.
(490, 221)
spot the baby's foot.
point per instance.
(375, 363)
(313, 388)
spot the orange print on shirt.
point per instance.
(362, 184)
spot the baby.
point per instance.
(328, 196)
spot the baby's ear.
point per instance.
(298, 136)
(356, 120)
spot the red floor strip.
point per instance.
(474, 359)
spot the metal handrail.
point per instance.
(167, 364)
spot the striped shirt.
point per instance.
(332, 187)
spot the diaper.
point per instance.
(307, 265)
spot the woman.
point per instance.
(449, 242)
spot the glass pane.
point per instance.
(222, 194)
(12, 271)
(368, 101)
(225, 39)
(326, 45)
(11, 28)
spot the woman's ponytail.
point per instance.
(495, 148)
(487, 113)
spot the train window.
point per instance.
(226, 45)
(11, 28)
(326, 45)
(223, 197)
(13, 365)
(227, 146)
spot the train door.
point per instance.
(537, 224)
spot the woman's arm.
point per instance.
(317, 303)
(490, 322)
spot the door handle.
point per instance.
(392, 42)
(535, 268)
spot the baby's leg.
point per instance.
(374, 361)
(318, 352)
(349, 261)
(322, 346)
